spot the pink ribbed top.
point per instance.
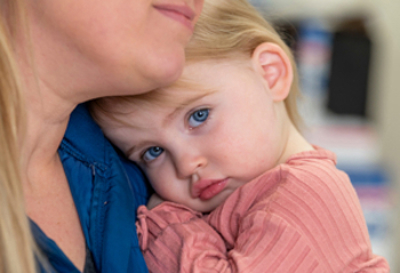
(302, 216)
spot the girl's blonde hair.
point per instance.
(226, 29)
(17, 246)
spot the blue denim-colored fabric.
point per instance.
(107, 189)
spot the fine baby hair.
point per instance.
(235, 28)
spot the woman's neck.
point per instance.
(48, 199)
(47, 116)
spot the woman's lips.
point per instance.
(182, 14)
(207, 189)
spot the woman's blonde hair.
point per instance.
(17, 247)
(226, 29)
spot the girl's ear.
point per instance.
(272, 63)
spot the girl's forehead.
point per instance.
(180, 94)
(175, 101)
(162, 105)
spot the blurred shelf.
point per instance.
(302, 9)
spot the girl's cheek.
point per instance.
(158, 172)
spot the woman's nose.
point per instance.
(189, 163)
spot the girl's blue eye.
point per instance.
(152, 153)
(198, 117)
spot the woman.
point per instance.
(80, 199)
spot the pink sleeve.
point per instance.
(174, 238)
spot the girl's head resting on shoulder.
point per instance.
(226, 121)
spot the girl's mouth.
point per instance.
(207, 189)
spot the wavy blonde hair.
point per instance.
(17, 246)
(226, 29)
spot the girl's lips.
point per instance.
(207, 189)
(182, 14)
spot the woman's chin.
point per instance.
(170, 71)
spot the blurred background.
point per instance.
(348, 56)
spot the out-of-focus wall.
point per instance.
(385, 101)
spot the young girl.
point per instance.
(244, 191)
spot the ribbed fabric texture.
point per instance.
(302, 216)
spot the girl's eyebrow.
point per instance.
(184, 103)
(130, 151)
(137, 147)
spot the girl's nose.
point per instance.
(189, 164)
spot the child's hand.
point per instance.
(154, 201)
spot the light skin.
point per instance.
(197, 154)
(83, 50)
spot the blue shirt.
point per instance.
(107, 189)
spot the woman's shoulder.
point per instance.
(83, 138)
(106, 188)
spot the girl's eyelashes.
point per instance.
(152, 153)
(198, 117)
